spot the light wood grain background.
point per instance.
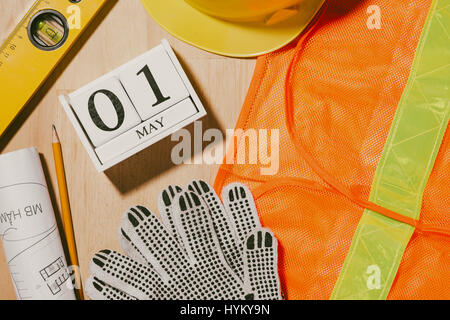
(124, 31)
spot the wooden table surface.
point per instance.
(99, 199)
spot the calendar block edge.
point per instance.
(63, 99)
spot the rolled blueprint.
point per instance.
(29, 231)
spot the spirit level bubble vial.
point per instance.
(34, 48)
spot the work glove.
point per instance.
(200, 249)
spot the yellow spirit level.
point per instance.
(36, 46)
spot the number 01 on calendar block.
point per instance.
(132, 107)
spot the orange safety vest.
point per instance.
(333, 95)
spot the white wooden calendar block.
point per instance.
(153, 83)
(154, 129)
(104, 110)
(133, 106)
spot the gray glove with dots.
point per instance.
(200, 249)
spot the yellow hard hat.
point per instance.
(238, 28)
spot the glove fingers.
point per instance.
(98, 290)
(165, 200)
(129, 276)
(194, 224)
(223, 225)
(261, 271)
(156, 244)
(129, 247)
(238, 202)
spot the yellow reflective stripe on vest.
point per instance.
(405, 166)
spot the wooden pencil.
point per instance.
(65, 210)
